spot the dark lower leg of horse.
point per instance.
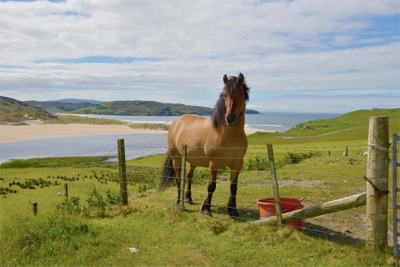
(206, 208)
(188, 196)
(178, 184)
(232, 211)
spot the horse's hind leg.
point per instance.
(189, 187)
(178, 180)
(178, 184)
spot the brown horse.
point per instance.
(214, 142)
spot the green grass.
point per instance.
(311, 169)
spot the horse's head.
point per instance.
(235, 95)
(231, 104)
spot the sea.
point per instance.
(136, 145)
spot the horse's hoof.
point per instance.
(206, 210)
(233, 213)
(189, 201)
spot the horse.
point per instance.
(215, 142)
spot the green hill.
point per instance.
(14, 111)
(59, 106)
(351, 120)
(142, 108)
(349, 126)
(133, 108)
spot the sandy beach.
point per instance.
(10, 133)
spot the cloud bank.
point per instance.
(302, 55)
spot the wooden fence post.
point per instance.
(183, 175)
(278, 211)
(377, 183)
(35, 208)
(66, 191)
(122, 171)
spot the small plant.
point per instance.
(294, 158)
(70, 206)
(217, 227)
(97, 202)
(201, 174)
(256, 163)
(112, 198)
(142, 188)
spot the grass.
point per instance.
(96, 231)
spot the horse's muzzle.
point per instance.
(231, 120)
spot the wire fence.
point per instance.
(150, 175)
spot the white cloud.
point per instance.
(278, 45)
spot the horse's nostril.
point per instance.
(231, 119)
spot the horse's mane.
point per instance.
(218, 114)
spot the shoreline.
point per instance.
(14, 133)
(35, 130)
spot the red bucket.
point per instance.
(267, 208)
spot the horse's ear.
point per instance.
(225, 79)
(241, 78)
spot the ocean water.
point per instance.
(267, 122)
(136, 145)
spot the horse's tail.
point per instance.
(168, 172)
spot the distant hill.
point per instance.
(143, 108)
(76, 101)
(133, 108)
(14, 111)
(61, 106)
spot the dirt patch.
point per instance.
(303, 183)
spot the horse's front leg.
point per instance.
(206, 208)
(232, 211)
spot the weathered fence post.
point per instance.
(66, 191)
(395, 191)
(275, 184)
(35, 208)
(377, 183)
(122, 171)
(183, 175)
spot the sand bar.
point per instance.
(10, 133)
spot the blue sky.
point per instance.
(297, 56)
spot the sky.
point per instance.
(319, 56)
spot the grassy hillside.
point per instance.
(59, 107)
(91, 229)
(14, 111)
(347, 121)
(134, 108)
(142, 108)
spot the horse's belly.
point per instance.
(196, 157)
